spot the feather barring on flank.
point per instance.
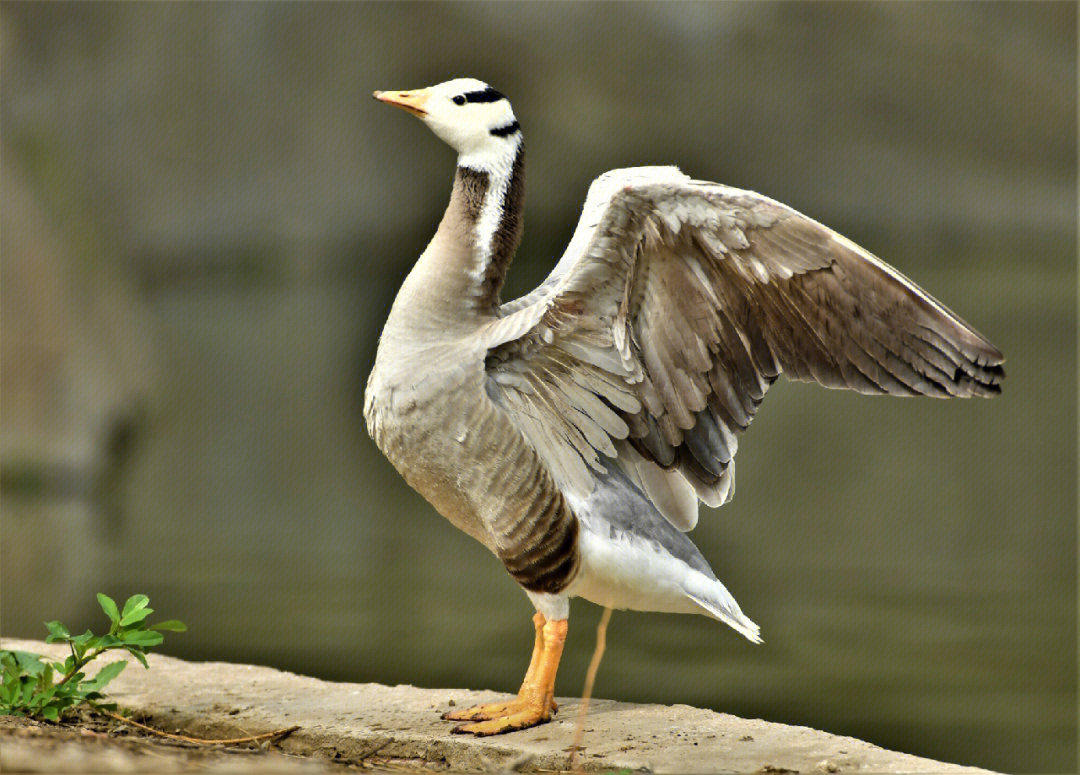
(575, 431)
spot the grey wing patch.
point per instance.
(617, 504)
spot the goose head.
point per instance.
(468, 115)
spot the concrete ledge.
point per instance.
(371, 722)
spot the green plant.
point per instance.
(34, 686)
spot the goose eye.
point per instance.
(459, 100)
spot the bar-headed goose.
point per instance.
(573, 431)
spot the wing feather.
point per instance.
(675, 307)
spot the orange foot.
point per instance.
(535, 703)
(522, 719)
(492, 710)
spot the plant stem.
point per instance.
(200, 740)
(78, 664)
(590, 679)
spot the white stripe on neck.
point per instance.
(498, 163)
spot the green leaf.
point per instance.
(28, 663)
(84, 641)
(35, 703)
(104, 675)
(137, 653)
(143, 638)
(51, 713)
(170, 626)
(134, 603)
(57, 631)
(135, 616)
(108, 605)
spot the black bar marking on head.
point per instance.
(484, 95)
(505, 131)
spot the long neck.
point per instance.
(457, 280)
(495, 195)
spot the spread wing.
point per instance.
(675, 307)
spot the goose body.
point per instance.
(575, 430)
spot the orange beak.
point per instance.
(411, 101)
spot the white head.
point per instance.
(468, 115)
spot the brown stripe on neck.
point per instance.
(507, 236)
(472, 186)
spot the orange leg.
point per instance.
(535, 702)
(497, 709)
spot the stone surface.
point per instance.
(356, 722)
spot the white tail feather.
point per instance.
(728, 611)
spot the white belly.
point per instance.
(632, 557)
(620, 570)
